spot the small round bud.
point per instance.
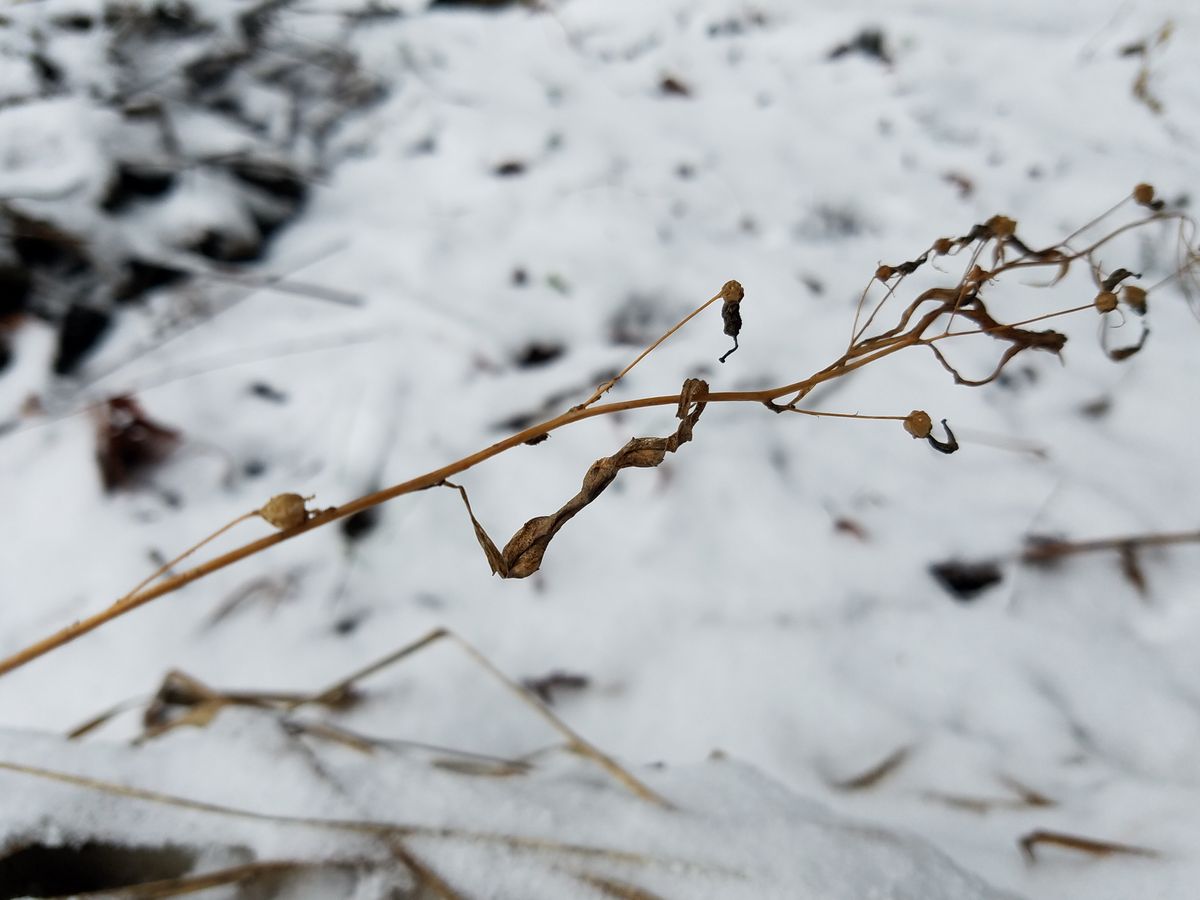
(1144, 194)
(918, 424)
(285, 511)
(1002, 226)
(943, 246)
(1135, 298)
(1106, 301)
(883, 273)
(732, 292)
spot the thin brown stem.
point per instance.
(608, 385)
(1048, 550)
(127, 603)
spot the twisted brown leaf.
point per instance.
(522, 555)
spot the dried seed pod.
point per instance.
(943, 246)
(1135, 298)
(883, 273)
(285, 511)
(978, 274)
(731, 314)
(1002, 226)
(732, 291)
(1106, 301)
(1143, 194)
(918, 424)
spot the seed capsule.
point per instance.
(285, 511)
(918, 424)
(1002, 226)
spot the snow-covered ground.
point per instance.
(500, 208)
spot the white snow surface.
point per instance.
(744, 655)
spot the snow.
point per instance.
(711, 603)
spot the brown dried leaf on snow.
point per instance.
(129, 443)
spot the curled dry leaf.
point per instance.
(129, 443)
(947, 446)
(1118, 354)
(1110, 283)
(522, 555)
(970, 306)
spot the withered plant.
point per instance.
(984, 255)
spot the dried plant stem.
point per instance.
(420, 483)
(1053, 549)
(129, 602)
(608, 385)
(171, 563)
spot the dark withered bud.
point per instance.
(1135, 298)
(947, 446)
(731, 313)
(1110, 283)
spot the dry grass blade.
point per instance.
(574, 741)
(513, 842)
(1030, 842)
(1047, 550)
(615, 888)
(1026, 798)
(1029, 796)
(101, 719)
(877, 773)
(327, 732)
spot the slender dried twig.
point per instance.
(574, 741)
(1030, 842)
(1045, 550)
